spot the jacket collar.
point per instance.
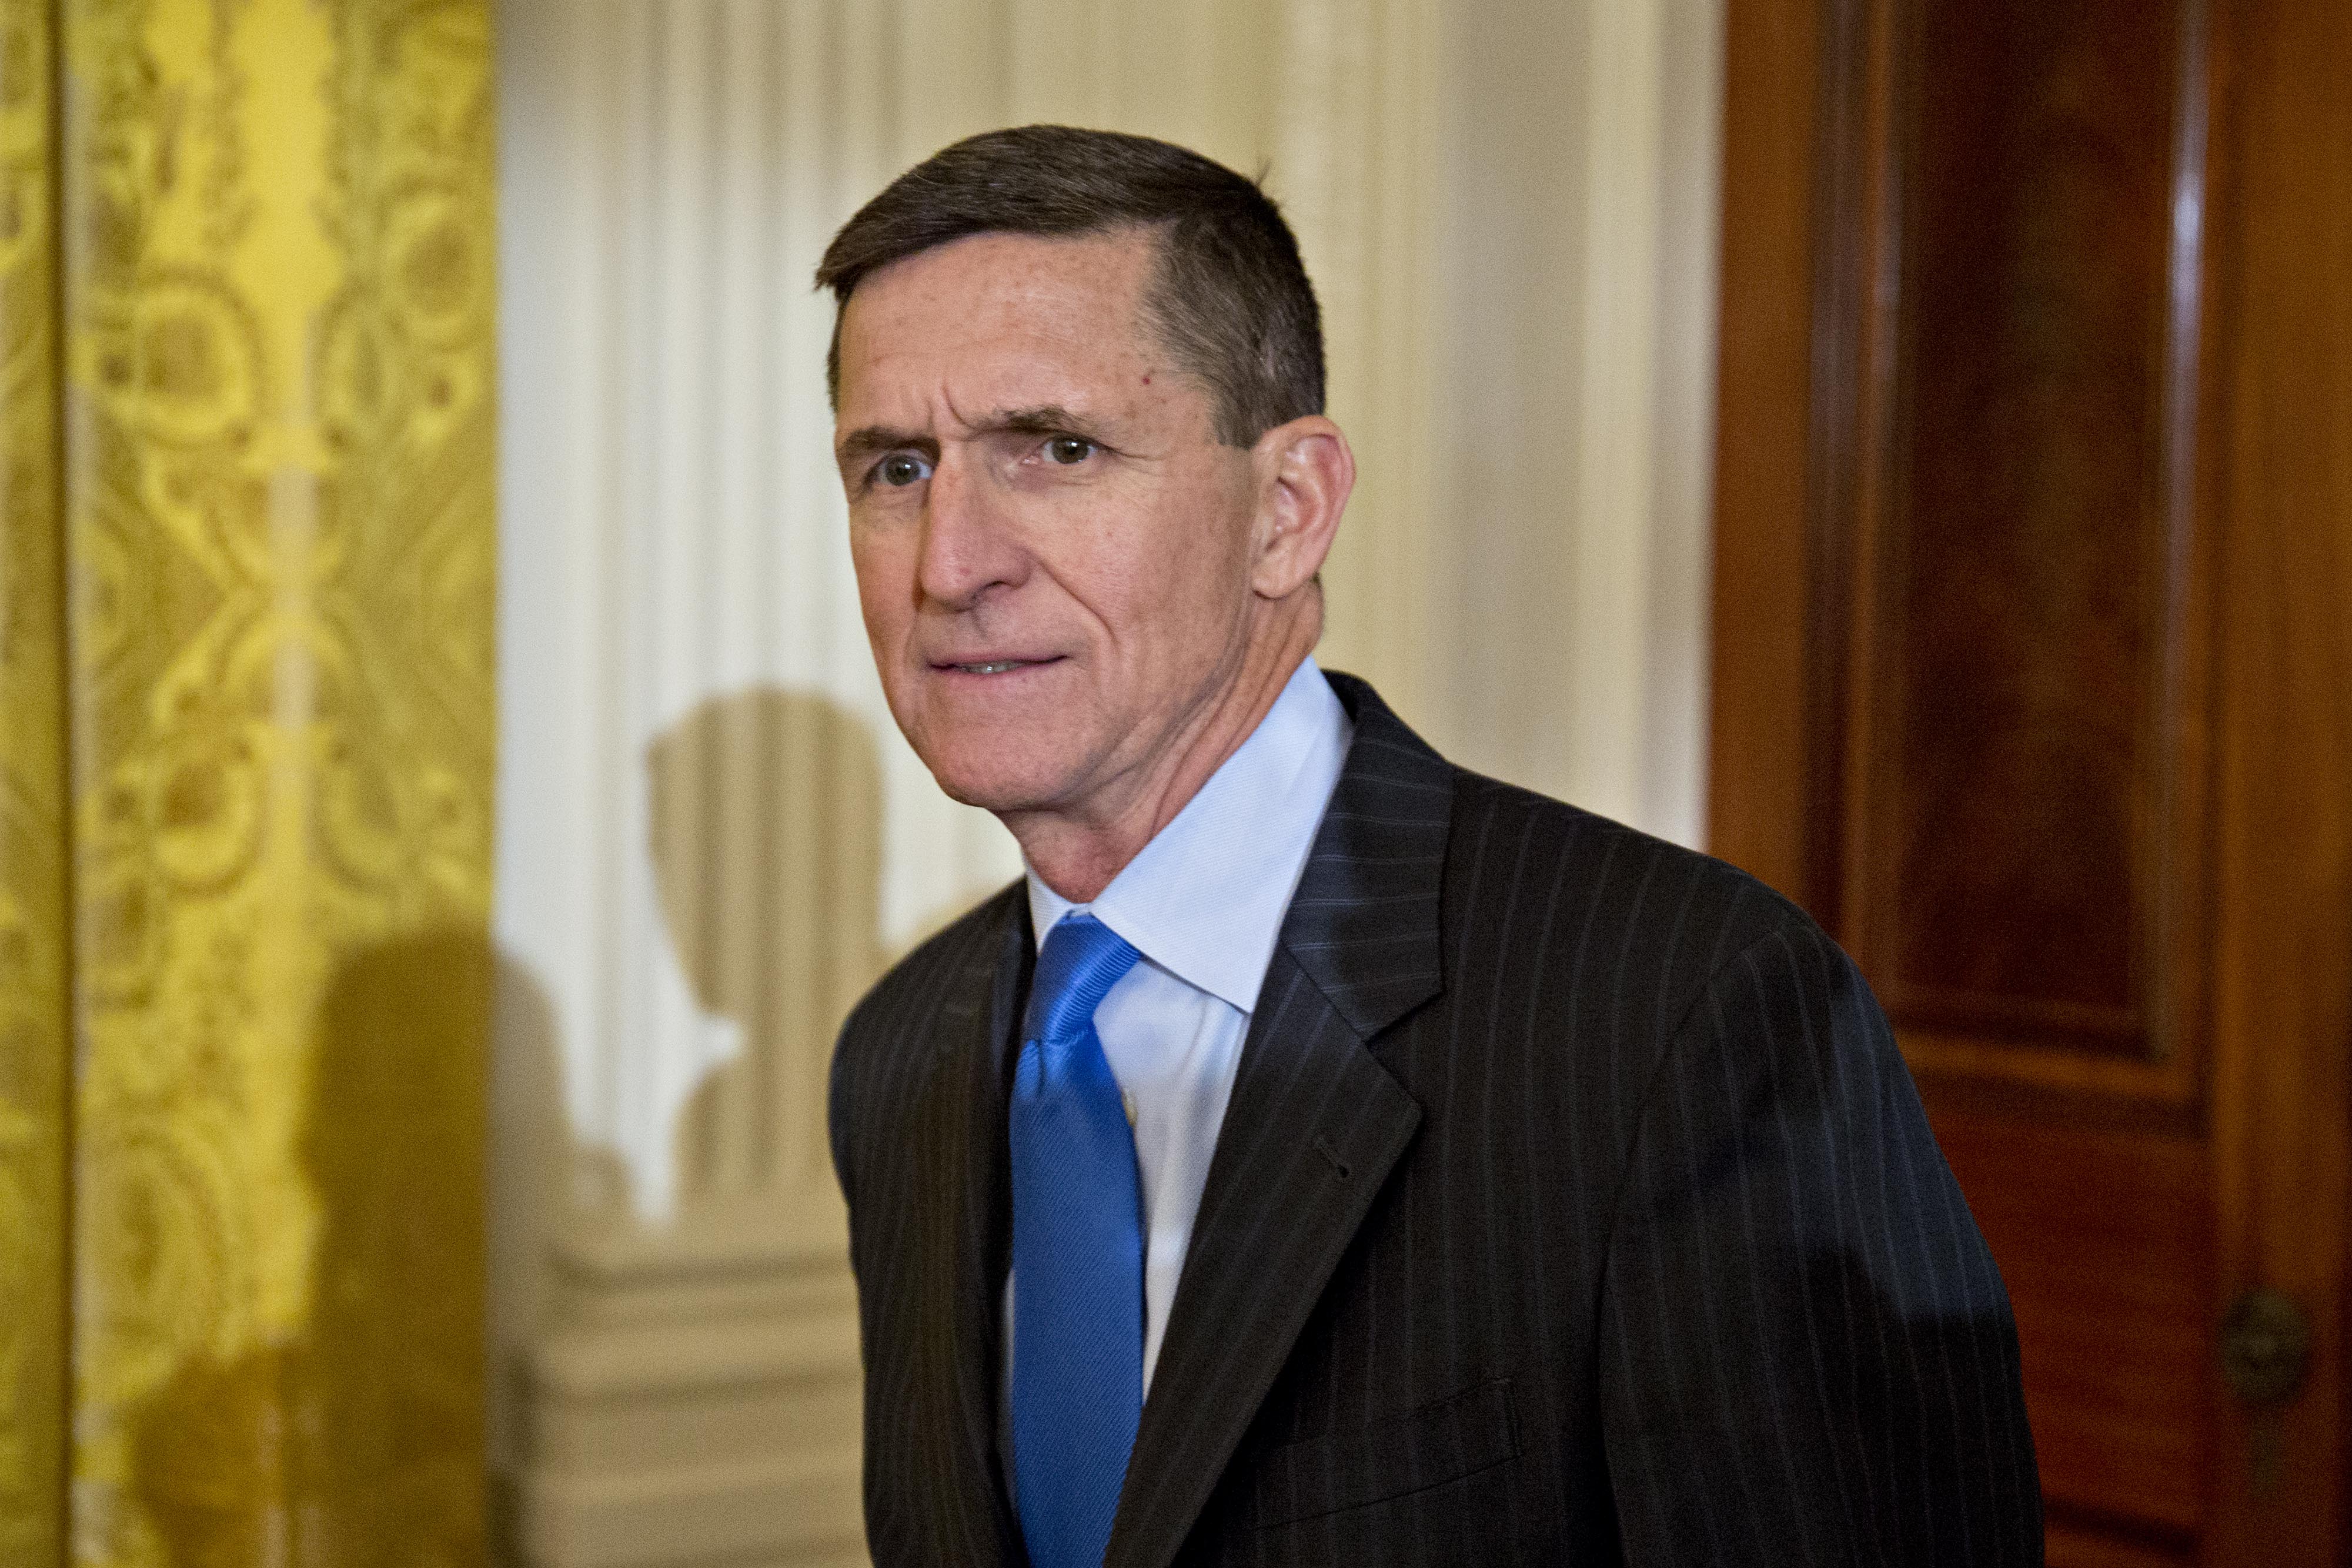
(1314, 1126)
(966, 1220)
(1364, 922)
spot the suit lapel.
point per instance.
(1314, 1126)
(969, 1226)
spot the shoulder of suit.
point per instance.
(1708, 903)
(922, 979)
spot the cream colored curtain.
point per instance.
(245, 288)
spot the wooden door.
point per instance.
(2033, 680)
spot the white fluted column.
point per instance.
(1575, 205)
(711, 835)
(1353, 157)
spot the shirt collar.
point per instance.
(1204, 899)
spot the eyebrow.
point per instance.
(1045, 419)
(873, 440)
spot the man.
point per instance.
(1325, 1155)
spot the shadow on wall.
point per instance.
(532, 1160)
(764, 820)
(764, 810)
(361, 1443)
(764, 827)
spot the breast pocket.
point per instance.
(1456, 1437)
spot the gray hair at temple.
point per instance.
(1230, 299)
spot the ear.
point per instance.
(1305, 472)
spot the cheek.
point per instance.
(1206, 553)
(885, 570)
(1188, 592)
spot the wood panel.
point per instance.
(1759, 789)
(2283, 1007)
(1991, 619)
(2025, 597)
(2016, 657)
(2071, 1548)
(2035, 674)
(2103, 1251)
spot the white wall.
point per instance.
(1508, 207)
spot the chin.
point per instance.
(1000, 762)
(983, 776)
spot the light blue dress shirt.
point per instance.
(1203, 904)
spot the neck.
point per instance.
(1077, 856)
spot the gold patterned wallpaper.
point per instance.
(276, 264)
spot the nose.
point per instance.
(969, 544)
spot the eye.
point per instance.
(1067, 450)
(901, 469)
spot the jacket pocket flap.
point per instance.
(1456, 1437)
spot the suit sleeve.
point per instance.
(1806, 1352)
(841, 1109)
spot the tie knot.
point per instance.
(1081, 961)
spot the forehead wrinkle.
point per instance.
(957, 422)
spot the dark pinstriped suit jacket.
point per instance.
(1572, 1206)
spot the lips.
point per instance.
(1001, 665)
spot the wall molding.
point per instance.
(695, 1397)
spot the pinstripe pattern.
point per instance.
(1572, 1206)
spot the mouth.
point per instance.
(993, 666)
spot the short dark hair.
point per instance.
(1230, 295)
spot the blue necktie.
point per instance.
(1078, 1255)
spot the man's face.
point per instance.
(1053, 550)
